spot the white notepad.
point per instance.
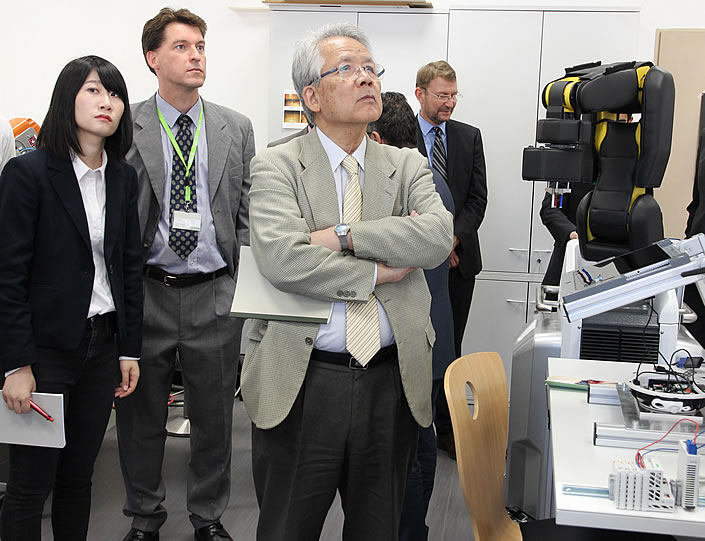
(31, 428)
(256, 298)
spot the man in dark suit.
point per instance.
(193, 163)
(454, 149)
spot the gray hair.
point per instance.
(308, 61)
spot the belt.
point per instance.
(345, 359)
(102, 323)
(182, 280)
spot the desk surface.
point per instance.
(576, 461)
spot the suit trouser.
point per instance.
(195, 322)
(350, 431)
(87, 377)
(461, 290)
(419, 485)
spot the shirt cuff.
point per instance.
(10, 372)
(124, 358)
(374, 279)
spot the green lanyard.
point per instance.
(194, 145)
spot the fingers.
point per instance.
(130, 375)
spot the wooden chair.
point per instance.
(481, 444)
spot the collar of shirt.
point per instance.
(426, 126)
(81, 168)
(336, 155)
(171, 114)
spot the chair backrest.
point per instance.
(481, 442)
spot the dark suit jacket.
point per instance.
(441, 310)
(46, 262)
(560, 222)
(468, 184)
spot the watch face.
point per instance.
(342, 229)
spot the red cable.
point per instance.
(640, 460)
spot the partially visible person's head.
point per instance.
(173, 44)
(397, 124)
(437, 91)
(350, 93)
(90, 94)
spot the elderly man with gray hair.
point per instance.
(338, 217)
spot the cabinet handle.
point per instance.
(515, 301)
(518, 250)
(543, 251)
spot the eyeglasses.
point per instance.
(348, 71)
(445, 97)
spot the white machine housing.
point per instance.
(607, 289)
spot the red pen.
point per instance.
(41, 412)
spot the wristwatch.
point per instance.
(342, 231)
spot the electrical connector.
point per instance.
(690, 447)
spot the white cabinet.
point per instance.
(497, 315)
(402, 43)
(496, 55)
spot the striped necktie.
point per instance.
(361, 318)
(440, 163)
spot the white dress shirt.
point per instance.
(331, 336)
(91, 182)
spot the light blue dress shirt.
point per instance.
(429, 136)
(206, 257)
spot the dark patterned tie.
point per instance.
(439, 154)
(182, 241)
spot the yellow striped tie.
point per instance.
(362, 320)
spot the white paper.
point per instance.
(32, 428)
(255, 297)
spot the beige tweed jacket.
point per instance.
(292, 194)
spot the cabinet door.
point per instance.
(497, 315)
(496, 56)
(285, 28)
(402, 43)
(569, 39)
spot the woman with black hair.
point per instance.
(70, 291)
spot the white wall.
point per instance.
(38, 37)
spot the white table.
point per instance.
(576, 461)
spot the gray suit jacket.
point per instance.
(231, 145)
(293, 193)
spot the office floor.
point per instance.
(447, 518)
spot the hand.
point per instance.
(18, 389)
(454, 259)
(130, 371)
(386, 274)
(573, 235)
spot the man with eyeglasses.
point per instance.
(454, 149)
(335, 216)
